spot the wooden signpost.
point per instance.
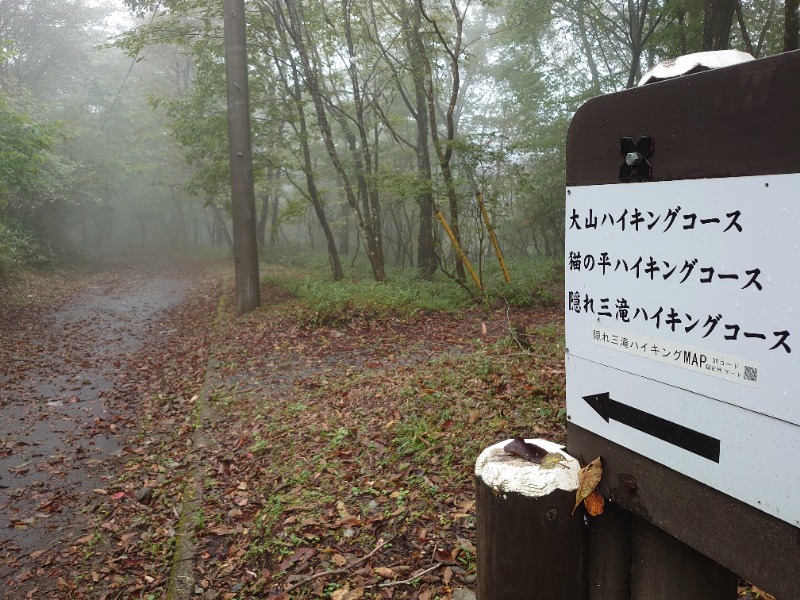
(682, 307)
(683, 330)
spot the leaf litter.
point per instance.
(337, 460)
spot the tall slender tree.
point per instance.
(453, 49)
(245, 243)
(426, 253)
(311, 68)
(717, 22)
(294, 91)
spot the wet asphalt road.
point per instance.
(59, 420)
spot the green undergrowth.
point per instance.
(19, 248)
(325, 302)
(534, 282)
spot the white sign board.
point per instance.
(683, 338)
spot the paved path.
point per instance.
(61, 418)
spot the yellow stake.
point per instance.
(492, 236)
(459, 251)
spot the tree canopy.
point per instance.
(389, 127)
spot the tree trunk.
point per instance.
(717, 22)
(636, 20)
(791, 33)
(372, 232)
(211, 227)
(680, 17)
(426, 253)
(444, 151)
(344, 232)
(587, 47)
(294, 91)
(248, 290)
(641, 25)
(373, 212)
(748, 43)
(261, 229)
(222, 229)
(273, 228)
(313, 192)
(298, 32)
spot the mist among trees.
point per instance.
(377, 126)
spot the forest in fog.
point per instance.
(374, 122)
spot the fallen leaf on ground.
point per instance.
(384, 572)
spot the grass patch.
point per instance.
(404, 293)
(326, 441)
(534, 282)
(327, 302)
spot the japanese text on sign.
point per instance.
(716, 364)
(706, 266)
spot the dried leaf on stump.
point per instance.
(552, 460)
(525, 450)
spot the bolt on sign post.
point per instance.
(682, 312)
(245, 244)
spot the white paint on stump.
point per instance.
(504, 472)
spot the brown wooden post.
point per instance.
(630, 559)
(530, 545)
(753, 544)
(608, 564)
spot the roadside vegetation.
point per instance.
(535, 282)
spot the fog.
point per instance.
(372, 129)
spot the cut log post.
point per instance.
(529, 544)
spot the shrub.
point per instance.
(19, 248)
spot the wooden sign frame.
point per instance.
(732, 122)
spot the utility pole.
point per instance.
(245, 244)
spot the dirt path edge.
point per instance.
(181, 582)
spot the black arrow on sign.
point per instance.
(672, 433)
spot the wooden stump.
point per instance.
(530, 545)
